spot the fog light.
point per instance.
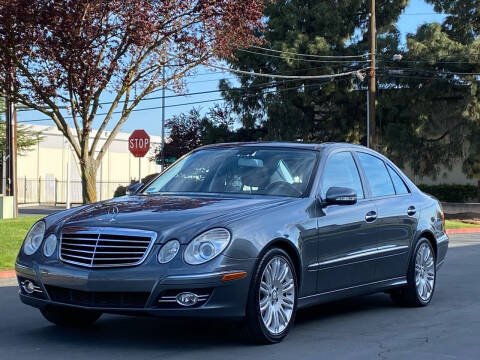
(28, 286)
(187, 299)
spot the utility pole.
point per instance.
(162, 146)
(372, 86)
(11, 134)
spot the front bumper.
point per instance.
(95, 289)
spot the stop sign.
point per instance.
(139, 143)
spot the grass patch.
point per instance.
(12, 233)
(451, 224)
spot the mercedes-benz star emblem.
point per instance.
(113, 212)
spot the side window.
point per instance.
(341, 171)
(400, 186)
(377, 175)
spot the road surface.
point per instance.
(369, 327)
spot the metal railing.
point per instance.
(53, 191)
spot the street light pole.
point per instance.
(372, 86)
(162, 146)
(11, 135)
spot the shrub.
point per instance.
(451, 192)
(122, 190)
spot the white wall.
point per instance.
(48, 160)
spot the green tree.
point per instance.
(26, 139)
(190, 130)
(310, 110)
(428, 109)
(431, 111)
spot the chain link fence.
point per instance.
(53, 191)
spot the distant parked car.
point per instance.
(251, 231)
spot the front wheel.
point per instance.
(67, 317)
(272, 301)
(421, 277)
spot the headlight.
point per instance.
(50, 245)
(206, 246)
(168, 251)
(34, 238)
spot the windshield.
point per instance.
(239, 170)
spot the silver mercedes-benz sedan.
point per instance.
(248, 231)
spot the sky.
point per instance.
(417, 13)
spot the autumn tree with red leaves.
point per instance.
(66, 54)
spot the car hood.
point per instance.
(178, 217)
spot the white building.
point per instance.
(42, 171)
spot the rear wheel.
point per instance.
(272, 300)
(421, 277)
(67, 317)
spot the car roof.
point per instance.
(291, 145)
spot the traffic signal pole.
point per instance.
(372, 85)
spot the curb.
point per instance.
(463, 231)
(5, 274)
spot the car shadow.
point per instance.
(185, 333)
(344, 307)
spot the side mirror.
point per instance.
(132, 189)
(341, 196)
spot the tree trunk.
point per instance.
(89, 181)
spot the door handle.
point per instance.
(371, 216)
(411, 211)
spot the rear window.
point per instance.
(400, 186)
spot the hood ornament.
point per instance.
(113, 212)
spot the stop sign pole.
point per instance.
(139, 145)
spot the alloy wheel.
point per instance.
(424, 272)
(277, 295)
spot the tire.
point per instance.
(67, 317)
(413, 294)
(280, 306)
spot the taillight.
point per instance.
(442, 215)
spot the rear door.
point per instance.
(396, 216)
(346, 245)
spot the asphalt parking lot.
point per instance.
(369, 327)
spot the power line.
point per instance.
(291, 78)
(426, 61)
(260, 86)
(297, 59)
(433, 71)
(421, 14)
(419, 77)
(189, 103)
(312, 55)
(298, 77)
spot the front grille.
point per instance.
(98, 299)
(105, 247)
